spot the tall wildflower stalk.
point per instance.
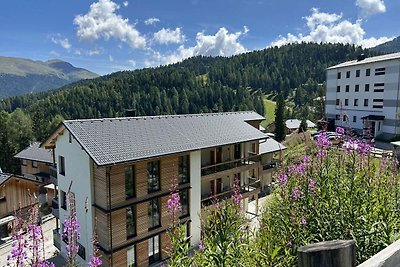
(18, 254)
(71, 231)
(180, 244)
(95, 260)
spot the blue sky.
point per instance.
(110, 35)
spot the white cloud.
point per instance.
(132, 62)
(63, 42)
(151, 21)
(168, 36)
(125, 3)
(54, 53)
(331, 28)
(95, 51)
(371, 7)
(110, 57)
(102, 21)
(222, 43)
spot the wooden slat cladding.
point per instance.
(165, 245)
(142, 253)
(142, 222)
(29, 169)
(103, 229)
(100, 186)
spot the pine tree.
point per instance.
(303, 126)
(279, 121)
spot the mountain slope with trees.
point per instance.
(20, 75)
(199, 84)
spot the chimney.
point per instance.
(360, 57)
(130, 112)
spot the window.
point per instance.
(130, 221)
(354, 118)
(380, 71)
(357, 73)
(61, 160)
(24, 162)
(347, 88)
(377, 106)
(153, 176)
(367, 72)
(184, 195)
(130, 181)
(154, 249)
(81, 251)
(34, 164)
(365, 102)
(70, 138)
(339, 75)
(348, 74)
(154, 213)
(380, 89)
(367, 88)
(337, 102)
(63, 200)
(184, 169)
(131, 257)
(379, 100)
(346, 102)
(337, 117)
(338, 89)
(355, 102)
(345, 118)
(357, 88)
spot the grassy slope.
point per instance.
(269, 112)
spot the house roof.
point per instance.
(295, 124)
(116, 140)
(270, 145)
(367, 60)
(35, 152)
(4, 177)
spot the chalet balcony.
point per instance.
(55, 208)
(270, 165)
(57, 238)
(53, 175)
(247, 190)
(238, 164)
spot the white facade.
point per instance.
(195, 197)
(352, 95)
(78, 171)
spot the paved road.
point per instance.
(50, 249)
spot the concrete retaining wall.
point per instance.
(389, 257)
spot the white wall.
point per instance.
(195, 196)
(78, 170)
(390, 94)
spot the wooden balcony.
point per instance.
(247, 190)
(270, 166)
(228, 167)
(55, 208)
(53, 174)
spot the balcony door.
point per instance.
(238, 152)
(219, 186)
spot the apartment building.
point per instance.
(364, 95)
(120, 172)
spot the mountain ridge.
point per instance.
(22, 75)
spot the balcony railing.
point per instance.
(55, 209)
(219, 167)
(53, 174)
(270, 165)
(252, 186)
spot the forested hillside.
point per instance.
(200, 84)
(392, 46)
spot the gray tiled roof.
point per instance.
(270, 145)
(4, 177)
(295, 123)
(116, 140)
(34, 152)
(367, 60)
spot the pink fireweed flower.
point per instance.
(306, 159)
(339, 130)
(289, 244)
(282, 179)
(174, 202)
(296, 193)
(312, 184)
(237, 196)
(323, 144)
(95, 261)
(363, 148)
(201, 245)
(303, 221)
